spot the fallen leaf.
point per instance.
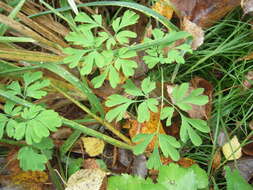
(232, 149)
(247, 83)
(202, 112)
(196, 32)
(140, 166)
(198, 112)
(125, 157)
(216, 160)
(32, 180)
(88, 179)
(204, 13)
(163, 8)
(148, 127)
(93, 146)
(248, 148)
(244, 165)
(247, 6)
(90, 163)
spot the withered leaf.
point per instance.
(232, 149)
(93, 146)
(247, 6)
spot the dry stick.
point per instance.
(30, 33)
(100, 120)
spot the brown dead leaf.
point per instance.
(204, 12)
(202, 112)
(199, 112)
(248, 148)
(93, 146)
(216, 160)
(31, 180)
(247, 83)
(12, 161)
(247, 6)
(245, 167)
(88, 179)
(196, 32)
(163, 8)
(148, 127)
(90, 163)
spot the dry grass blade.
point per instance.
(46, 21)
(36, 26)
(30, 33)
(24, 55)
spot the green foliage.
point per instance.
(104, 51)
(122, 103)
(35, 157)
(235, 180)
(157, 54)
(171, 177)
(33, 84)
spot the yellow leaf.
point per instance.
(232, 149)
(163, 8)
(93, 146)
(86, 179)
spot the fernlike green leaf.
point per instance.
(114, 78)
(195, 138)
(187, 131)
(3, 122)
(117, 113)
(44, 144)
(116, 99)
(199, 124)
(143, 112)
(131, 89)
(128, 18)
(30, 159)
(88, 64)
(14, 88)
(123, 36)
(154, 161)
(143, 141)
(34, 90)
(38, 124)
(33, 85)
(157, 33)
(147, 86)
(152, 104)
(75, 56)
(11, 109)
(175, 56)
(10, 127)
(151, 61)
(201, 176)
(128, 66)
(183, 98)
(99, 80)
(167, 113)
(92, 23)
(184, 129)
(168, 145)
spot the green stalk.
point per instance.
(69, 123)
(6, 39)
(100, 120)
(143, 9)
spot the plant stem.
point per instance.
(100, 120)
(12, 142)
(94, 133)
(175, 72)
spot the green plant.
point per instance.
(33, 124)
(171, 177)
(110, 56)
